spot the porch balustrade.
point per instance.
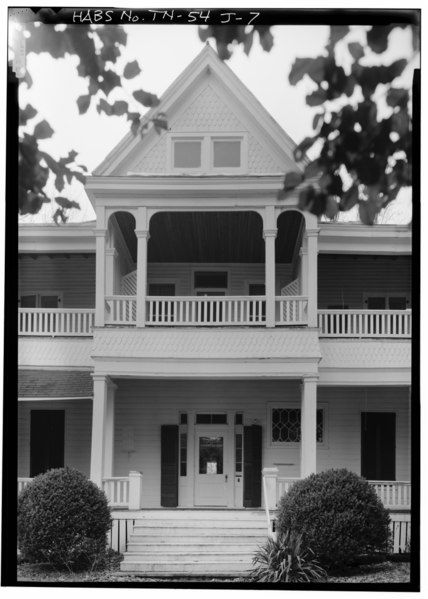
(117, 491)
(216, 311)
(365, 323)
(55, 322)
(291, 310)
(393, 494)
(121, 309)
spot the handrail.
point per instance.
(68, 322)
(266, 502)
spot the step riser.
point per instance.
(220, 524)
(191, 548)
(200, 532)
(231, 568)
(193, 557)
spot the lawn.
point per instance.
(386, 572)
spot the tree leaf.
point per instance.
(160, 121)
(104, 106)
(131, 70)
(83, 103)
(356, 50)
(299, 70)
(313, 169)
(292, 180)
(110, 81)
(367, 212)
(397, 97)
(43, 130)
(120, 108)
(331, 207)
(66, 203)
(377, 38)
(248, 42)
(319, 96)
(27, 114)
(266, 39)
(303, 147)
(145, 98)
(317, 119)
(396, 68)
(349, 198)
(338, 32)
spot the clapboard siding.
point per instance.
(143, 406)
(344, 425)
(73, 276)
(77, 439)
(342, 280)
(240, 275)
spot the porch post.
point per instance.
(100, 235)
(308, 441)
(102, 428)
(109, 430)
(143, 236)
(312, 277)
(269, 234)
(111, 255)
(304, 271)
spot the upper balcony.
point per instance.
(214, 270)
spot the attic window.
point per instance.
(187, 153)
(226, 153)
(209, 153)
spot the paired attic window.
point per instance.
(208, 154)
(187, 153)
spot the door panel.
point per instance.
(46, 440)
(378, 445)
(252, 466)
(169, 465)
(212, 473)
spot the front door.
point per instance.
(378, 445)
(211, 467)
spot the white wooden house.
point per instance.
(204, 343)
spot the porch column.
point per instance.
(269, 234)
(142, 239)
(111, 255)
(312, 277)
(308, 440)
(304, 271)
(102, 429)
(100, 242)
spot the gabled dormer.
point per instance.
(215, 127)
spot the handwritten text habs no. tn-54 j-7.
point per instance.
(164, 16)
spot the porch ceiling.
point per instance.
(211, 237)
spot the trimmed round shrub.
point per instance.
(63, 519)
(339, 516)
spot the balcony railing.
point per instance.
(121, 309)
(55, 322)
(365, 323)
(291, 310)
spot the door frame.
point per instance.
(228, 465)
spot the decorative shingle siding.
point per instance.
(208, 112)
(342, 280)
(44, 351)
(73, 275)
(260, 161)
(54, 383)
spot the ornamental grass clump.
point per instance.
(63, 520)
(339, 516)
(286, 560)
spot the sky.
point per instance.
(163, 52)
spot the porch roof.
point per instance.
(54, 384)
